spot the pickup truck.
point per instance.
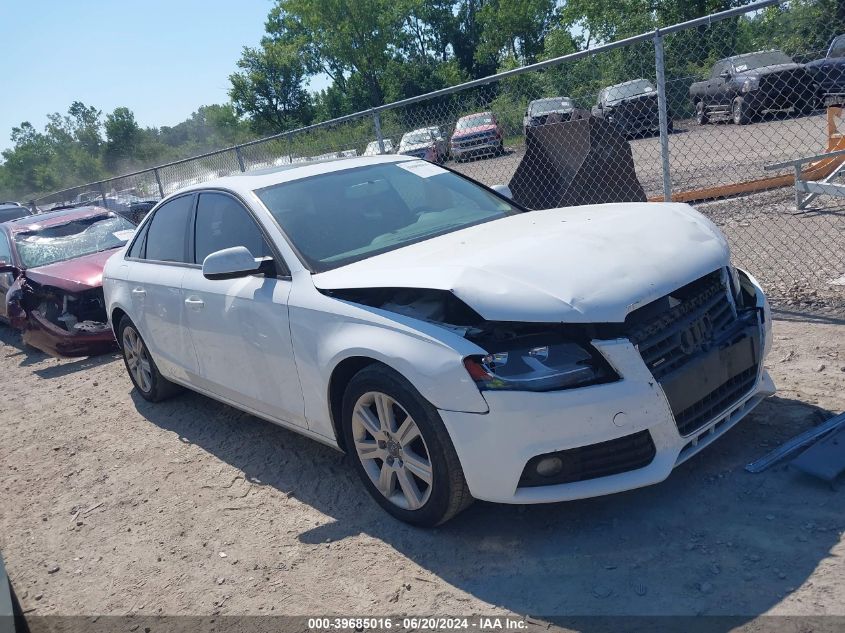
(632, 106)
(745, 86)
(829, 72)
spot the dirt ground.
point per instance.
(111, 505)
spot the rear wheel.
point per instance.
(701, 113)
(142, 369)
(740, 112)
(401, 449)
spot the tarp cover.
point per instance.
(584, 161)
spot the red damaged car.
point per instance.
(478, 133)
(51, 277)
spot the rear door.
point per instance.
(158, 260)
(240, 327)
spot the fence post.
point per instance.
(664, 118)
(379, 137)
(158, 182)
(102, 193)
(240, 158)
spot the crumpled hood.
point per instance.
(583, 264)
(73, 275)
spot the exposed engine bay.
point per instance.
(57, 321)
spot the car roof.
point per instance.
(53, 218)
(475, 114)
(632, 81)
(550, 99)
(769, 50)
(247, 182)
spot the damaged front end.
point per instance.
(519, 356)
(59, 322)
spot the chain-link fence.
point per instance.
(692, 112)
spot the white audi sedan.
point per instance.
(454, 344)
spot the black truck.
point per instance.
(829, 72)
(632, 106)
(745, 86)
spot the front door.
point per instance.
(240, 327)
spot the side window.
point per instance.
(718, 67)
(5, 250)
(137, 248)
(223, 222)
(166, 238)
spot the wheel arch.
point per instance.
(339, 380)
(115, 317)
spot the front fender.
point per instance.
(326, 331)
(15, 311)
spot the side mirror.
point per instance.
(503, 190)
(230, 263)
(725, 74)
(6, 267)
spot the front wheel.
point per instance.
(401, 449)
(701, 113)
(140, 365)
(739, 110)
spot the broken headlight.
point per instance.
(527, 365)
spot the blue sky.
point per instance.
(160, 58)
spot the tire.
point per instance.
(141, 367)
(415, 437)
(701, 113)
(739, 112)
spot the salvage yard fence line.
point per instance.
(660, 105)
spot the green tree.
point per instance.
(269, 87)
(123, 137)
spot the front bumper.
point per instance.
(495, 447)
(56, 341)
(475, 147)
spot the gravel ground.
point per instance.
(111, 505)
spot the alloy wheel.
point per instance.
(392, 450)
(137, 359)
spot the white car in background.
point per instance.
(426, 143)
(373, 148)
(454, 344)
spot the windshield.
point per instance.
(760, 60)
(73, 239)
(623, 91)
(416, 137)
(550, 105)
(474, 121)
(345, 216)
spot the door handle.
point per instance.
(139, 291)
(194, 302)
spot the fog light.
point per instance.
(549, 466)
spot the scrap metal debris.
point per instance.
(825, 459)
(796, 444)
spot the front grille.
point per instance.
(594, 460)
(663, 338)
(704, 355)
(478, 139)
(711, 405)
